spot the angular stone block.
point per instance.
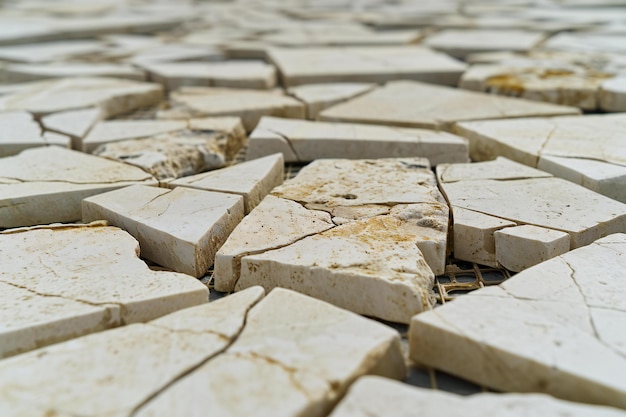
(612, 95)
(117, 130)
(73, 123)
(519, 248)
(62, 282)
(17, 73)
(181, 229)
(318, 97)
(18, 131)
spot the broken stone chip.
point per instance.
(114, 96)
(553, 318)
(304, 141)
(519, 248)
(46, 185)
(18, 131)
(371, 396)
(61, 282)
(181, 229)
(588, 150)
(333, 232)
(135, 362)
(413, 104)
(117, 130)
(318, 97)
(253, 180)
(249, 105)
(371, 64)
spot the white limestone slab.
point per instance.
(19, 131)
(364, 64)
(318, 97)
(413, 104)
(181, 229)
(31, 72)
(588, 150)
(46, 185)
(117, 130)
(73, 123)
(305, 351)
(62, 282)
(232, 127)
(378, 237)
(174, 52)
(460, 43)
(519, 248)
(249, 105)
(113, 96)
(49, 51)
(612, 95)
(547, 202)
(586, 42)
(375, 396)
(303, 141)
(229, 74)
(557, 331)
(134, 363)
(253, 180)
(350, 37)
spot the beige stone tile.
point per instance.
(556, 332)
(117, 130)
(612, 95)
(181, 229)
(364, 64)
(46, 185)
(318, 97)
(303, 141)
(519, 248)
(62, 282)
(49, 51)
(73, 123)
(19, 131)
(18, 73)
(412, 104)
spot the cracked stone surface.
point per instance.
(318, 97)
(364, 64)
(253, 180)
(249, 105)
(304, 141)
(113, 96)
(371, 396)
(46, 185)
(352, 236)
(73, 123)
(66, 281)
(18, 131)
(181, 229)
(538, 200)
(18, 73)
(556, 316)
(588, 150)
(441, 107)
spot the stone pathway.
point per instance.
(279, 208)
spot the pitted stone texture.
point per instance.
(364, 64)
(303, 141)
(375, 396)
(253, 180)
(135, 362)
(181, 229)
(558, 315)
(62, 282)
(46, 185)
(306, 352)
(113, 96)
(413, 104)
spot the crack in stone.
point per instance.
(75, 182)
(289, 142)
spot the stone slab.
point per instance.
(612, 95)
(318, 97)
(413, 104)
(18, 73)
(519, 248)
(19, 131)
(364, 64)
(62, 282)
(46, 185)
(73, 123)
(304, 141)
(181, 229)
(557, 332)
(118, 130)
(253, 180)
(371, 396)
(49, 51)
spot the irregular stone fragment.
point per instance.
(588, 150)
(612, 95)
(318, 97)
(230, 74)
(46, 185)
(31, 72)
(460, 43)
(412, 104)
(555, 317)
(253, 180)
(519, 248)
(303, 141)
(361, 37)
(18, 131)
(135, 362)
(371, 396)
(306, 352)
(232, 127)
(364, 64)
(181, 229)
(248, 104)
(73, 123)
(49, 51)
(542, 201)
(113, 96)
(118, 130)
(66, 281)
